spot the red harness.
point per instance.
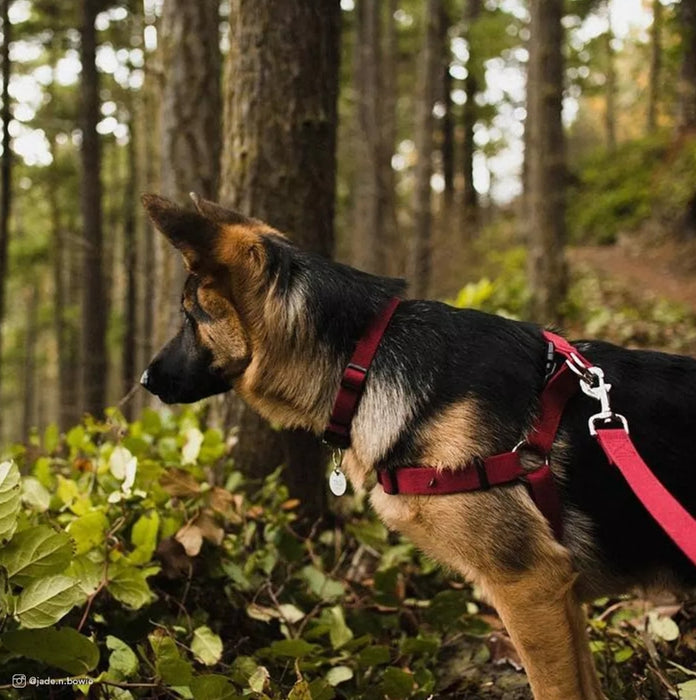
(575, 372)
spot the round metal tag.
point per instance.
(337, 482)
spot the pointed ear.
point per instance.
(192, 234)
(218, 214)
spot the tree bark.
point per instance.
(470, 199)
(368, 241)
(545, 160)
(422, 253)
(655, 66)
(687, 87)
(94, 305)
(190, 119)
(29, 417)
(6, 167)
(447, 123)
(279, 165)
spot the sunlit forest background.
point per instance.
(534, 159)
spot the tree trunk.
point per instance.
(655, 66)
(279, 165)
(422, 215)
(447, 123)
(29, 417)
(687, 88)
(190, 120)
(6, 167)
(369, 247)
(545, 161)
(129, 370)
(94, 306)
(610, 86)
(470, 199)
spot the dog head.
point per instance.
(222, 252)
(260, 316)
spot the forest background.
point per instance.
(415, 139)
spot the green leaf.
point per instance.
(396, 683)
(6, 599)
(64, 648)
(123, 663)
(51, 438)
(35, 494)
(129, 586)
(321, 690)
(687, 691)
(206, 646)
(169, 665)
(662, 627)
(212, 687)
(36, 552)
(294, 648)
(45, 601)
(339, 674)
(88, 530)
(10, 499)
(374, 655)
(339, 632)
(144, 537)
(258, 679)
(321, 585)
(446, 608)
(623, 654)
(87, 572)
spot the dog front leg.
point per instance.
(547, 625)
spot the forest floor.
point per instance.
(664, 270)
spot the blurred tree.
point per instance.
(374, 79)
(610, 84)
(422, 200)
(190, 123)
(94, 306)
(655, 65)
(279, 165)
(545, 162)
(6, 168)
(687, 111)
(469, 116)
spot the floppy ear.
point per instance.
(193, 235)
(218, 214)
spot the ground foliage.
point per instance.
(137, 556)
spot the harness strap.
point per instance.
(337, 432)
(672, 517)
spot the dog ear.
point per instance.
(191, 233)
(219, 214)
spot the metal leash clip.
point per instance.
(592, 383)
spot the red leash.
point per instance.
(506, 468)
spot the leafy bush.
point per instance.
(614, 192)
(138, 560)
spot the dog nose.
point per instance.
(145, 379)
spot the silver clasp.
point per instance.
(592, 383)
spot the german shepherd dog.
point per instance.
(278, 325)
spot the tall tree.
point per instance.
(687, 91)
(422, 214)
(655, 65)
(190, 119)
(610, 84)
(6, 167)
(94, 306)
(545, 162)
(279, 165)
(374, 79)
(469, 116)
